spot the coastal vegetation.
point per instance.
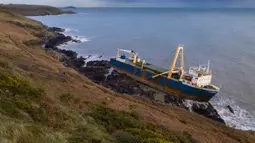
(38, 103)
(21, 101)
(35, 10)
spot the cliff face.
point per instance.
(43, 101)
(34, 10)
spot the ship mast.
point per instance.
(208, 67)
(179, 50)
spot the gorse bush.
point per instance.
(17, 95)
(14, 86)
(113, 119)
(127, 127)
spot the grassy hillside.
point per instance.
(38, 104)
(34, 10)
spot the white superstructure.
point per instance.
(201, 76)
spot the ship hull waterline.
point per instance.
(171, 86)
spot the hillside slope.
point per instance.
(40, 104)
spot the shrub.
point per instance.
(9, 108)
(22, 104)
(89, 133)
(125, 137)
(148, 136)
(17, 86)
(37, 114)
(128, 127)
(113, 119)
(20, 97)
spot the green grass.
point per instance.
(129, 127)
(16, 95)
(7, 15)
(33, 119)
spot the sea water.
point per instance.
(226, 37)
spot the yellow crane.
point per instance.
(179, 50)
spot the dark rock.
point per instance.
(69, 53)
(55, 29)
(103, 64)
(207, 110)
(57, 40)
(174, 99)
(230, 109)
(79, 62)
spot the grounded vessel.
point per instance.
(194, 84)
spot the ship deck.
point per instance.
(151, 67)
(158, 70)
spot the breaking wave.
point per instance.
(68, 30)
(81, 38)
(240, 119)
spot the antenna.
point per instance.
(208, 66)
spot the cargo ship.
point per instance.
(194, 84)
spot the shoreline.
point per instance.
(120, 82)
(47, 102)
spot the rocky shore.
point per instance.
(44, 101)
(101, 72)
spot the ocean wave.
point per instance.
(95, 57)
(68, 30)
(240, 119)
(80, 38)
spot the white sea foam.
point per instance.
(188, 103)
(68, 30)
(81, 38)
(241, 119)
(94, 57)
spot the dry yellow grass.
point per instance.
(42, 70)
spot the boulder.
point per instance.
(230, 109)
(207, 110)
(55, 29)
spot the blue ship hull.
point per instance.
(169, 84)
